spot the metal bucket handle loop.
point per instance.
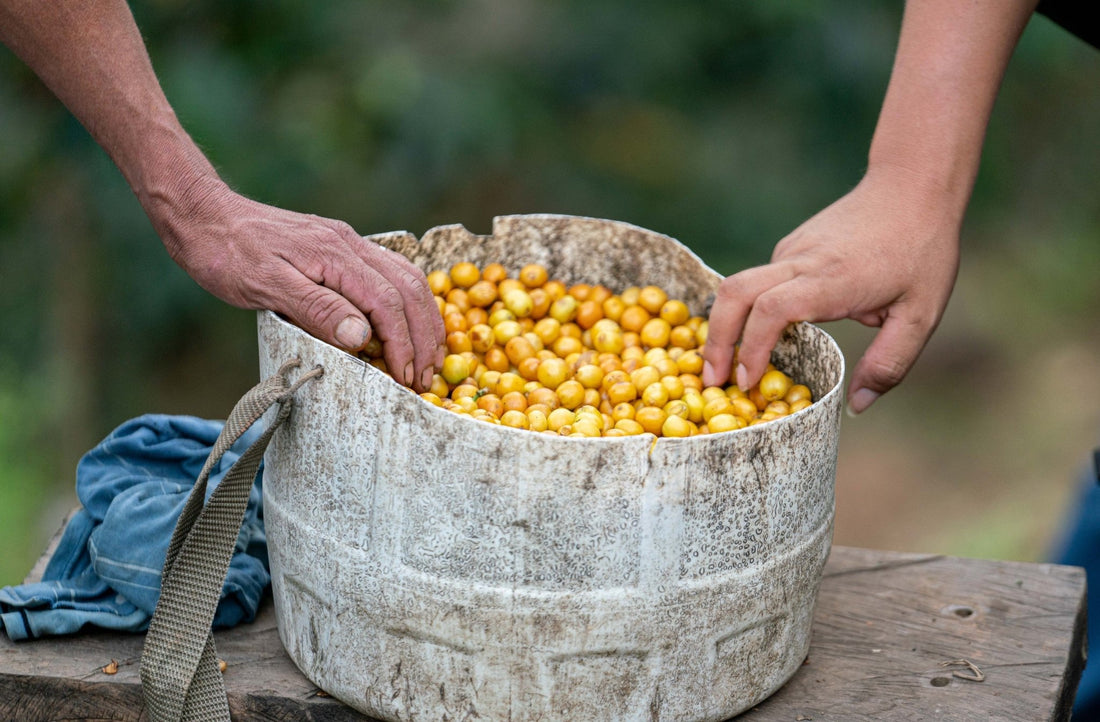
(180, 678)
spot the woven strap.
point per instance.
(179, 671)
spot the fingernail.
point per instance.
(742, 377)
(860, 400)
(708, 374)
(410, 374)
(426, 378)
(352, 333)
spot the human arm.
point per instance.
(886, 254)
(317, 271)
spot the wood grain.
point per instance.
(884, 625)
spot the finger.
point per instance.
(322, 312)
(385, 308)
(341, 269)
(799, 299)
(887, 360)
(426, 332)
(735, 299)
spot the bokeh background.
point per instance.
(722, 124)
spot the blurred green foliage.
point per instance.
(722, 124)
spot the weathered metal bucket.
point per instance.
(427, 566)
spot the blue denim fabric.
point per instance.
(132, 487)
(1081, 548)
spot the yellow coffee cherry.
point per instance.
(675, 312)
(630, 427)
(734, 392)
(496, 359)
(570, 393)
(651, 418)
(587, 426)
(655, 395)
(643, 376)
(465, 274)
(519, 303)
(800, 404)
(655, 355)
(536, 420)
(695, 404)
(744, 408)
(439, 386)
(513, 400)
(774, 385)
(716, 406)
(499, 316)
(690, 362)
(725, 422)
(439, 283)
(515, 419)
(533, 275)
(508, 285)
(563, 346)
(482, 294)
(494, 272)
(779, 408)
(559, 418)
(674, 386)
(798, 392)
(458, 341)
(622, 391)
(548, 329)
(623, 410)
(676, 426)
(589, 375)
(655, 332)
(634, 318)
(682, 337)
(552, 373)
(710, 393)
(517, 349)
(652, 298)
(481, 338)
(455, 368)
(608, 339)
(667, 367)
(701, 334)
(564, 309)
(677, 407)
(510, 382)
(491, 403)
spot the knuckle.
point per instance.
(771, 306)
(729, 290)
(387, 304)
(321, 306)
(889, 372)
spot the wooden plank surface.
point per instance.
(884, 625)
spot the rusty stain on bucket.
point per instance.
(427, 566)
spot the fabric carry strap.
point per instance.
(180, 679)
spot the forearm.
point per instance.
(91, 55)
(950, 60)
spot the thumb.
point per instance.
(325, 314)
(886, 361)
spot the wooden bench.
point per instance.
(895, 637)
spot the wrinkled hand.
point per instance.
(886, 255)
(316, 271)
